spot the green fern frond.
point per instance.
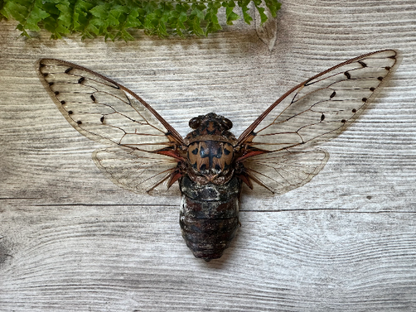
(114, 19)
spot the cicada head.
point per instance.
(212, 122)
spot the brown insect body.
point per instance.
(209, 216)
(210, 190)
(277, 151)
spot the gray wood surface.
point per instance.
(70, 240)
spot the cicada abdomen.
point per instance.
(209, 216)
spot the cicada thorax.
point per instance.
(210, 189)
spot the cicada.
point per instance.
(277, 151)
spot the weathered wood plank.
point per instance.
(72, 257)
(70, 240)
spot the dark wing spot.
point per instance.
(41, 65)
(348, 75)
(50, 83)
(217, 167)
(364, 99)
(45, 75)
(387, 68)
(63, 102)
(372, 89)
(332, 95)
(92, 98)
(56, 92)
(362, 64)
(392, 57)
(343, 121)
(380, 78)
(354, 110)
(203, 167)
(322, 117)
(70, 112)
(102, 119)
(68, 70)
(81, 80)
(79, 122)
(226, 152)
(195, 151)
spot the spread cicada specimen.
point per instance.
(275, 152)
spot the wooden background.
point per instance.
(70, 240)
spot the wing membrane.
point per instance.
(135, 170)
(314, 111)
(103, 110)
(283, 171)
(322, 106)
(108, 113)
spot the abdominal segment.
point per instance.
(209, 216)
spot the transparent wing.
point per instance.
(135, 170)
(108, 113)
(103, 110)
(322, 106)
(284, 171)
(314, 111)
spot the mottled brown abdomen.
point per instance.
(209, 216)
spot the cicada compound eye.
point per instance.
(227, 124)
(195, 122)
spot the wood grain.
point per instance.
(70, 240)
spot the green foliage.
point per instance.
(114, 18)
